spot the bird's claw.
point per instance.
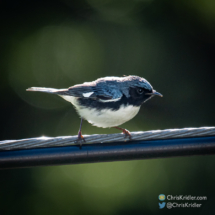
(127, 133)
(80, 139)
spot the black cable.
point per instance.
(106, 152)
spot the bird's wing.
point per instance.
(103, 93)
(107, 93)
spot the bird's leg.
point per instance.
(80, 136)
(124, 131)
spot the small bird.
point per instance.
(106, 102)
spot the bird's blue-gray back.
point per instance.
(107, 88)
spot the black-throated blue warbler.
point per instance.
(106, 102)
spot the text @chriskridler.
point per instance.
(183, 201)
(171, 205)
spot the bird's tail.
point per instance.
(43, 89)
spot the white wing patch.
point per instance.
(110, 100)
(87, 94)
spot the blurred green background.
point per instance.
(61, 43)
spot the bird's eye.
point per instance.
(140, 91)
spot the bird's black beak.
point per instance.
(154, 93)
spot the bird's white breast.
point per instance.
(108, 118)
(105, 118)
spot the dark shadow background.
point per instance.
(61, 43)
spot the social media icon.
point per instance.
(162, 205)
(161, 197)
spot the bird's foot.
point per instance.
(80, 139)
(124, 131)
(127, 133)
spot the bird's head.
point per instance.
(140, 90)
